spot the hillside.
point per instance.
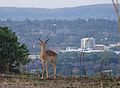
(64, 33)
(90, 11)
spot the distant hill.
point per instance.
(64, 33)
(89, 11)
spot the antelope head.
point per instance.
(43, 43)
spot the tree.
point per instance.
(11, 51)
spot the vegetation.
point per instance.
(95, 62)
(71, 82)
(12, 53)
(64, 33)
(116, 48)
(95, 11)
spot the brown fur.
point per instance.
(47, 56)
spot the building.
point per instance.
(87, 43)
(101, 47)
(114, 45)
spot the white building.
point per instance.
(33, 56)
(87, 43)
(101, 47)
(114, 45)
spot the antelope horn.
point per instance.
(46, 41)
(40, 40)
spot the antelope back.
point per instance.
(51, 55)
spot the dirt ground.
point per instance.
(82, 82)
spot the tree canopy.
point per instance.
(11, 51)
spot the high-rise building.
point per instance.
(87, 43)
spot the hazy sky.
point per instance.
(49, 3)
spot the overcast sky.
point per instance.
(49, 3)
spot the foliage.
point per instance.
(94, 61)
(64, 33)
(11, 51)
(116, 48)
(74, 57)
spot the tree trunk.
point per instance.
(7, 68)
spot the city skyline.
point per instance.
(50, 3)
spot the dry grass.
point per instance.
(71, 82)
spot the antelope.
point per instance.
(47, 56)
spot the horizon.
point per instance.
(53, 4)
(57, 8)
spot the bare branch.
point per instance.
(116, 6)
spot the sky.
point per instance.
(50, 3)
